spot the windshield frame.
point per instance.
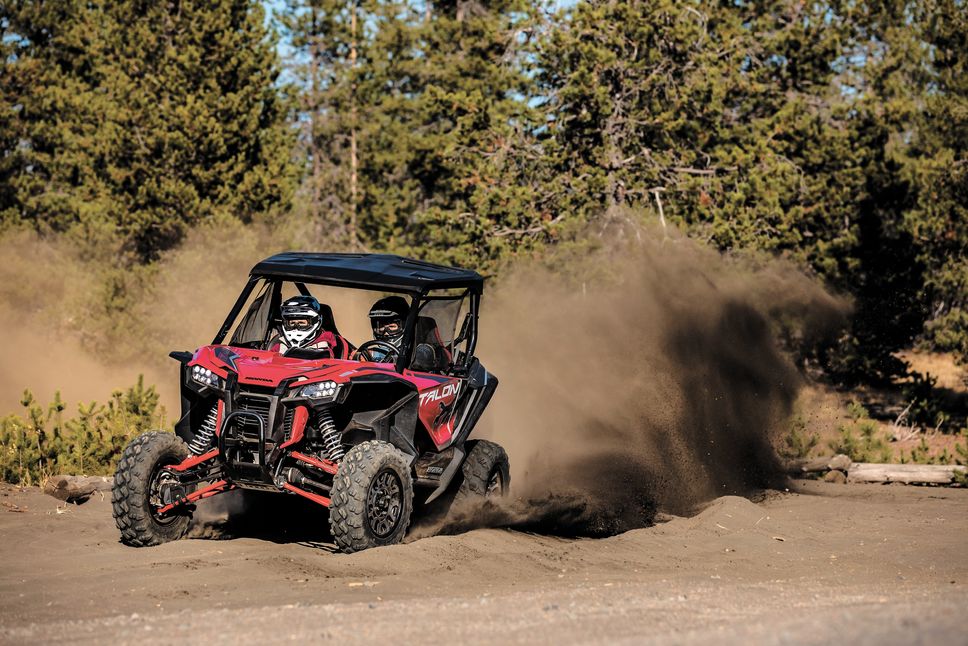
(417, 300)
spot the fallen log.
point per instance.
(76, 489)
(906, 473)
(820, 465)
(835, 476)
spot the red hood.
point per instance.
(265, 368)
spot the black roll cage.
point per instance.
(468, 329)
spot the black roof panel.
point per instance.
(367, 270)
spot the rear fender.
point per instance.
(481, 387)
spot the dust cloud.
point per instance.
(46, 288)
(645, 375)
(87, 324)
(657, 385)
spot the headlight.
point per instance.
(206, 377)
(321, 390)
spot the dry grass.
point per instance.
(823, 411)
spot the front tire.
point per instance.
(372, 497)
(134, 494)
(487, 474)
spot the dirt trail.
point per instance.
(866, 564)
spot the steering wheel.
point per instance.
(390, 352)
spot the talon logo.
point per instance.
(448, 390)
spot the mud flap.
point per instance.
(448, 475)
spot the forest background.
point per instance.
(152, 148)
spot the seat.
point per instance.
(427, 332)
(344, 349)
(327, 319)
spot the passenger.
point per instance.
(387, 319)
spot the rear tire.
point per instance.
(131, 496)
(372, 497)
(487, 474)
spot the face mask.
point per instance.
(386, 329)
(299, 330)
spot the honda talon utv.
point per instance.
(365, 431)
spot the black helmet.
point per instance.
(387, 317)
(301, 320)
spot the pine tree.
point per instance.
(719, 117)
(939, 220)
(145, 117)
(837, 210)
(884, 76)
(50, 78)
(325, 37)
(11, 87)
(637, 97)
(799, 177)
(445, 118)
(745, 123)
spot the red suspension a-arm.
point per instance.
(194, 461)
(322, 500)
(205, 492)
(326, 465)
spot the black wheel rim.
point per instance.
(495, 485)
(158, 476)
(384, 503)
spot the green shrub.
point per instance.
(856, 410)
(921, 454)
(961, 457)
(40, 442)
(862, 442)
(798, 442)
(926, 407)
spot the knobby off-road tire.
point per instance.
(372, 497)
(130, 496)
(487, 474)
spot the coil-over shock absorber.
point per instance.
(205, 433)
(330, 436)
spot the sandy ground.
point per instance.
(848, 563)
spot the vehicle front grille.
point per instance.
(247, 426)
(287, 424)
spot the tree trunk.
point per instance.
(819, 465)
(76, 488)
(313, 120)
(354, 161)
(907, 473)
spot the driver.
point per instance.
(387, 318)
(302, 327)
